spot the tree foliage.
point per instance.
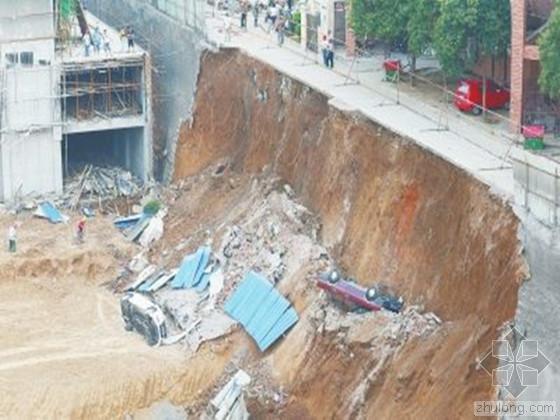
(381, 19)
(466, 29)
(549, 47)
(460, 31)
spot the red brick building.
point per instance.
(528, 19)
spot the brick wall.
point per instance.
(518, 22)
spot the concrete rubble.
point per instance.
(229, 403)
(102, 182)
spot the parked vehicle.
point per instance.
(140, 313)
(468, 96)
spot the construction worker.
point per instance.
(12, 238)
(81, 230)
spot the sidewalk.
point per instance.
(485, 155)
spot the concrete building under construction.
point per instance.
(66, 101)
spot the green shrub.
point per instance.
(152, 207)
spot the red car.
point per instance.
(468, 96)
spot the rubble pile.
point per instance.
(102, 182)
(276, 238)
(380, 329)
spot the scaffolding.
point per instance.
(108, 89)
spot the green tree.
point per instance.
(466, 29)
(549, 47)
(385, 20)
(422, 15)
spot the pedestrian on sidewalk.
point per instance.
(330, 51)
(12, 238)
(81, 230)
(272, 15)
(244, 12)
(280, 29)
(227, 27)
(255, 9)
(324, 49)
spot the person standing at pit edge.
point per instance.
(130, 38)
(330, 51)
(12, 238)
(244, 13)
(81, 230)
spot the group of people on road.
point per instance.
(277, 16)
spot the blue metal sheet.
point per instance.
(242, 297)
(187, 266)
(204, 256)
(126, 222)
(257, 296)
(264, 313)
(276, 311)
(239, 295)
(288, 319)
(203, 283)
(51, 212)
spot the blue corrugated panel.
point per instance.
(203, 283)
(276, 312)
(51, 212)
(239, 295)
(186, 267)
(126, 222)
(264, 313)
(203, 257)
(289, 318)
(256, 298)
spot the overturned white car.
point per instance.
(142, 314)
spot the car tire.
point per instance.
(371, 294)
(477, 110)
(333, 277)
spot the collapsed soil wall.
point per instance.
(390, 212)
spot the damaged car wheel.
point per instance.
(371, 294)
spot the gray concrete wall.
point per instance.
(538, 312)
(537, 203)
(175, 61)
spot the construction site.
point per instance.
(204, 233)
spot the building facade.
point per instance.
(30, 120)
(66, 105)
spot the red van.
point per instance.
(468, 96)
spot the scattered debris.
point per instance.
(47, 210)
(102, 182)
(264, 313)
(229, 403)
(194, 270)
(153, 231)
